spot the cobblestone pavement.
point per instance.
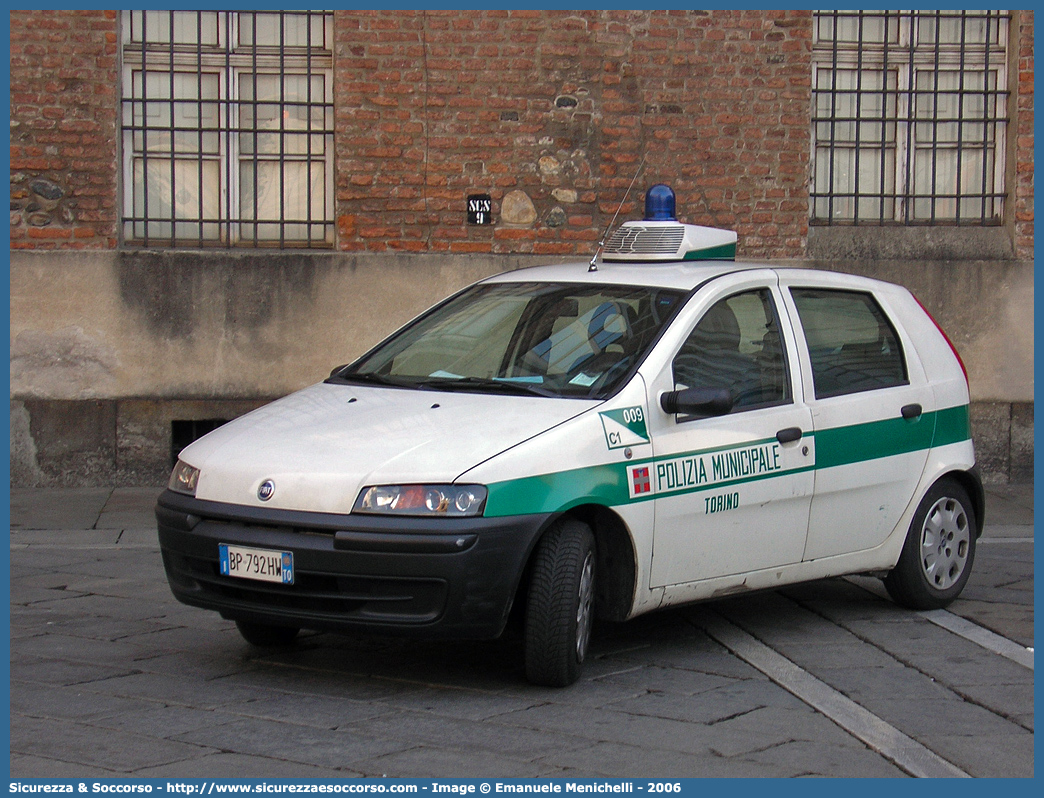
(110, 677)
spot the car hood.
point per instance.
(321, 445)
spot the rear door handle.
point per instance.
(911, 412)
(789, 435)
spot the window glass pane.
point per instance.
(190, 27)
(953, 107)
(868, 186)
(262, 109)
(940, 169)
(190, 192)
(736, 345)
(291, 191)
(298, 30)
(857, 107)
(194, 108)
(950, 27)
(851, 343)
(854, 27)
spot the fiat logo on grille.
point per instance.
(265, 490)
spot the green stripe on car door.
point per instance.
(890, 437)
(607, 484)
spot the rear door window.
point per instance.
(852, 344)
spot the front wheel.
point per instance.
(937, 557)
(560, 605)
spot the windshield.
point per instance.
(538, 338)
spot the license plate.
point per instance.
(264, 565)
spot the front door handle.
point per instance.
(911, 412)
(789, 435)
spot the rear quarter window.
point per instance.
(852, 344)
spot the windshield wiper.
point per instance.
(482, 384)
(372, 378)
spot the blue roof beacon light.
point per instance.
(661, 238)
(659, 204)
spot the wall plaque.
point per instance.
(480, 209)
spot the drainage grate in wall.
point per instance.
(184, 432)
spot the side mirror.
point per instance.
(697, 401)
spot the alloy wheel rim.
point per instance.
(945, 543)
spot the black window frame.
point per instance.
(211, 156)
(898, 117)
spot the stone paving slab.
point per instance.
(241, 765)
(78, 743)
(803, 758)
(326, 748)
(38, 767)
(57, 508)
(1009, 504)
(65, 702)
(432, 761)
(129, 508)
(984, 756)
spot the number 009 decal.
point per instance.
(624, 426)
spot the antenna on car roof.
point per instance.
(593, 266)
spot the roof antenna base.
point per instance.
(593, 265)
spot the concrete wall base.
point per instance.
(128, 442)
(94, 443)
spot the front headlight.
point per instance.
(184, 478)
(422, 500)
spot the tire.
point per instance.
(560, 605)
(937, 556)
(265, 635)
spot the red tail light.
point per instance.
(953, 348)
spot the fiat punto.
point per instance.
(659, 426)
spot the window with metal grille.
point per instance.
(227, 128)
(909, 116)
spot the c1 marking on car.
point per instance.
(721, 502)
(624, 427)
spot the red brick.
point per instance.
(49, 233)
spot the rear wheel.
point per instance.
(266, 635)
(560, 605)
(939, 551)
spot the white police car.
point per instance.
(661, 426)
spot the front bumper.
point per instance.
(442, 577)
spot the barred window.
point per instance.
(227, 128)
(909, 116)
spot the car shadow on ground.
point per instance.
(673, 638)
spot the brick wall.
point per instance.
(63, 129)
(551, 112)
(1023, 188)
